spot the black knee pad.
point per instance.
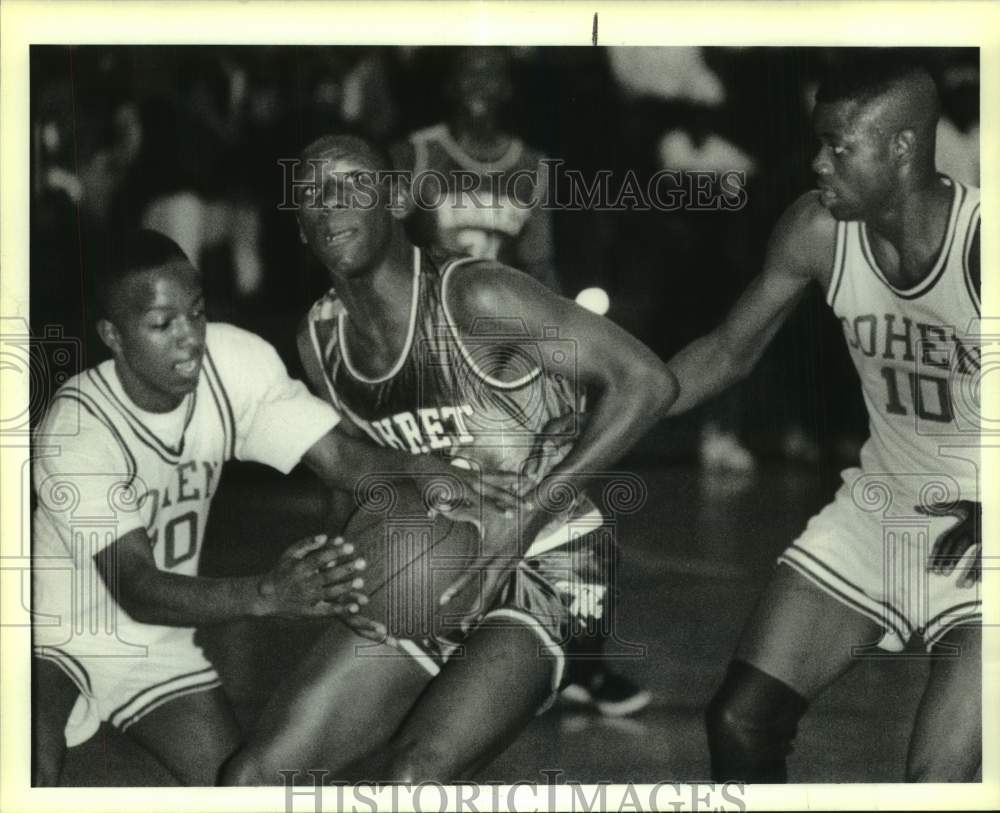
(751, 722)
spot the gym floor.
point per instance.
(696, 558)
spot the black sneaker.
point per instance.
(610, 694)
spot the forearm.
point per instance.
(626, 408)
(174, 600)
(703, 369)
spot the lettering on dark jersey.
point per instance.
(427, 430)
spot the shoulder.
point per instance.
(410, 154)
(489, 289)
(227, 341)
(322, 317)
(79, 424)
(242, 360)
(77, 404)
(327, 308)
(804, 239)
(433, 133)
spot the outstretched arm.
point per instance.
(314, 577)
(628, 387)
(801, 249)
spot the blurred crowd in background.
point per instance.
(187, 140)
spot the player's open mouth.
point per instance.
(189, 368)
(340, 236)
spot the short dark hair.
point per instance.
(118, 259)
(350, 145)
(865, 74)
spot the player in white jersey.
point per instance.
(126, 463)
(896, 555)
(399, 313)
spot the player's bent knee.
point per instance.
(751, 723)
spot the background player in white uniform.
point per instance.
(895, 246)
(127, 461)
(389, 306)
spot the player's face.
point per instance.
(482, 84)
(158, 335)
(853, 170)
(343, 214)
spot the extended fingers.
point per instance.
(337, 552)
(949, 548)
(300, 549)
(345, 606)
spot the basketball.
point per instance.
(412, 555)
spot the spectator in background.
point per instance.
(677, 108)
(496, 216)
(85, 141)
(199, 199)
(958, 128)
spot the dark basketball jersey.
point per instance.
(509, 187)
(443, 395)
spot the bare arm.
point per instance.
(309, 580)
(801, 249)
(628, 386)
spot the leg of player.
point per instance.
(344, 700)
(474, 708)
(191, 736)
(796, 643)
(52, 697)
(947, 740)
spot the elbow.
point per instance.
(657, 383)
(136, 609)
(666, 391)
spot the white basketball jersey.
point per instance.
(917, 352)
(103, 467)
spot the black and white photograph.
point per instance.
(497, 424)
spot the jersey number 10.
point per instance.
(924, 389)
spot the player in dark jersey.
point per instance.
(895, 247)
(478, 362)
(483, 188)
